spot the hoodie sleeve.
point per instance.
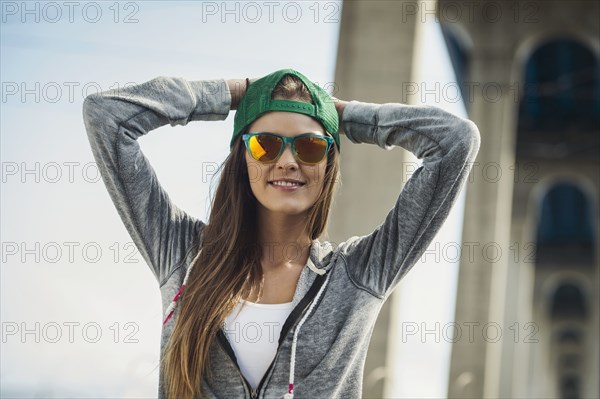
(447, 144)
(114, 120)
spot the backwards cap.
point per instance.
(257, 101)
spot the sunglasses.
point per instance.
(308, 148)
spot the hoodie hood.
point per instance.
(318, 264)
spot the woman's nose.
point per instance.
(287, 159)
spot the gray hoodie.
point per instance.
(323, 343)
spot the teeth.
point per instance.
(285, 183)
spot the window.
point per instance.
(565, 234)
(559, 110)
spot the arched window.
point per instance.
(569, 387)
(570, 336)
(559, 111)
(569, 302)
(565, 233)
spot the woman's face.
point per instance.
(279, 199)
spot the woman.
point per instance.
(267, 310)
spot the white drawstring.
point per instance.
(290, 394)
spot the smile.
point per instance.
(285, 185)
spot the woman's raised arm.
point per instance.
(448, 145)
(114, 120)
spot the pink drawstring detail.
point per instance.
(290, 394)
(171, 308)
(168, 317)
(176, 297)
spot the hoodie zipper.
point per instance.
(253, 392)
(294, 316)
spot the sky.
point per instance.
(80, 310)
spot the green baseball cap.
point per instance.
(257, 101)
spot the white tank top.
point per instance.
(254, 334)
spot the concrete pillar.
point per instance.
(374, 59)
(485, 230)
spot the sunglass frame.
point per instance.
(287, 140)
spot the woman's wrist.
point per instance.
(237, 89)
(340, 105)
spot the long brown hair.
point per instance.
(228, 267)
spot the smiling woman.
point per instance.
(304, 180)
(256, 319)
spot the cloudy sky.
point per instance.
(80, 310)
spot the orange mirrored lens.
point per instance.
(310, 149)
(265, 148)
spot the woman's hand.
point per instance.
(237, 88)
(339, 107)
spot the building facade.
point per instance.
(529, 275)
